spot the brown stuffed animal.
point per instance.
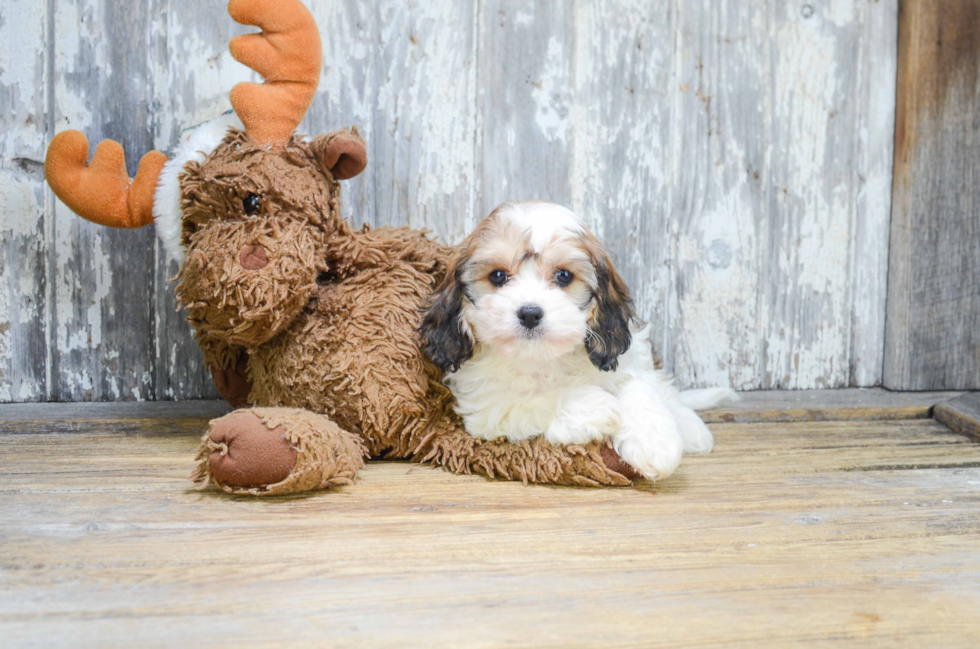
(308, 320)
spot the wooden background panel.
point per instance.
(782, 142)
(650, 118)
(101, 280)
(192, 75)
(933, 336)
(526, 99)
(425, 116)
(621, 156)
(347, 92)
(720, 181)
(871, 223)
(812, 188)
(23, 220)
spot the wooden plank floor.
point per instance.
(823, 533)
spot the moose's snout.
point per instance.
(253, 258)
(243, 293)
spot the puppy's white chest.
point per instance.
(515, 399)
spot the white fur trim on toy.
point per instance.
(195, 144)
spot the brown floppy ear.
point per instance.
(612, 314)
(443, 338)
(342, 153)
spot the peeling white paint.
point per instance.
(550, 93)
(22, 238)
(347, 53)
(524, 18)
(425, 103)
(877, 79)
(24, 22)
(842, 12)
(20, 210)
(808, 321)
(700, 140)
(5, 351)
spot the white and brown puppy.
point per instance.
(538, 336)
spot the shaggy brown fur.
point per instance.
(326, 330)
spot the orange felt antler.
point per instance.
(102, 191)
(288, 54)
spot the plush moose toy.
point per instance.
(308, 326)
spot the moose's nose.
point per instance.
(253, 258)
(530, 315)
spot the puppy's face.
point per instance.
(531, 283)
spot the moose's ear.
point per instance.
(342, 153)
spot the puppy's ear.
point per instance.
(342, 153)
(612, 313)
(443, 338)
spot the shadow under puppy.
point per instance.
(538, 336)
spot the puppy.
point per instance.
(537, 334)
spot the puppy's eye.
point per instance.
(563, 278)
(498, 278)
(251, 204)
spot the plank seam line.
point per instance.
(50, 313)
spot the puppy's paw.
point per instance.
(586, 414)
(655, 454)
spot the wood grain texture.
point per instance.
(762, 406)
(849, 404)
(814, 184)
(856, 534)
(961, 415)
(783, 141)
(621, 158)
(101, 281)
(25, 216)
(934, 268)
(425, 117)
(874, 95)
(526, 98)
(734, 156)
(719, 188)
(118, 417)
(192, 75)
(348, 90)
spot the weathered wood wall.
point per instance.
(933, 325)
(735, 156)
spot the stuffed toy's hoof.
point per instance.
(245, 453)
(615, 463)
(274, 451)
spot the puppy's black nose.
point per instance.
(530, 315)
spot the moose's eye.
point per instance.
(252, 204)
(563, 278)
(498, 278)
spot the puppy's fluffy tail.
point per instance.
(707, 398)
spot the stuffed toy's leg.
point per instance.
(274, 451)
(595, 464)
